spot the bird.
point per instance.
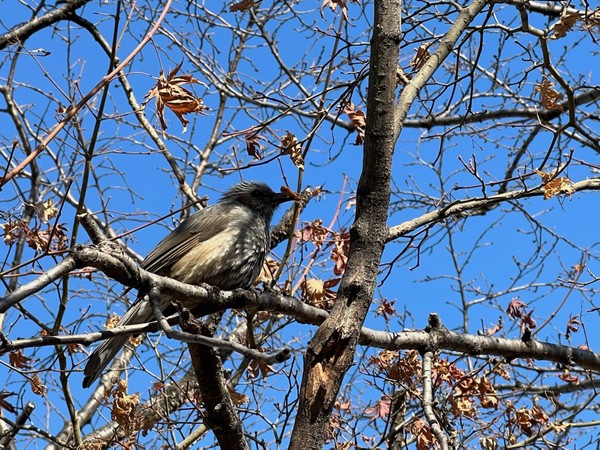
(223, 245)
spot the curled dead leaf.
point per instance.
(421, 56)
(47, 210)
(314, 291)
(124, 408)
(564, 24)
(333, 4)
(112, 321)
(19, 360)
(169, 92)
(291, 146)
(318, 293)
(359, 122)
(555, 186)
(253, 145)
(339, 254)
(313, 232)
(550, 97)
(269, 268)
(242, 6)
(37, 387)
(237, 398)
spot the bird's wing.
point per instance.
(199, 227)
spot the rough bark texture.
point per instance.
(331, 351)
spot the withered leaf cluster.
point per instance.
(319, 292)
(568, 19)
(554, 185)
(168, 91)
(41, 235)
(125, 408)
(527, 420)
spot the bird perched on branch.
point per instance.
(223, 245)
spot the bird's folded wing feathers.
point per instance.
(181, 240)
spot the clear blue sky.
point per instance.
(430, 287)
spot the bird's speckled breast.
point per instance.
(241, 250)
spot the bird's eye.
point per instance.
(256, 193)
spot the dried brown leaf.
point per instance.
(37, 387)
(515, 308)
(573, 325)
(333, 4)
(494, 329)
(243, 6)
(488, 443)
(386, 309)
(550, 97)
(381, 408)
(568, 378)
(555, 186)
(112, 321)
(313, 291)
(592, 19)
(47, 210)
(564, 24)
(407, 369)
(318, 293)
(19, 360)
(237, 398)
(75, 348)
(359, 122)
(425, 439)
(291, 146)
(339, 254)
(168, 92)
(313, 232)
(12, 231)
(124, 408)
(253, 145)
(269, 268)
(421, 56)
(258, 367)
(346, 406)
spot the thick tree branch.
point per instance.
(221, 415)
(461, 207)
(586, 97)
(23, 31)
(331, 351)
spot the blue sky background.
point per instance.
(494, 266)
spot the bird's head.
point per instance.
(257, 196)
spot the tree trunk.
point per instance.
(331, 351)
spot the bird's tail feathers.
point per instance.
(140, 312)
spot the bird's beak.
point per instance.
(280, 197)
(286, 195)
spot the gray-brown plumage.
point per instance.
(223, 245)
